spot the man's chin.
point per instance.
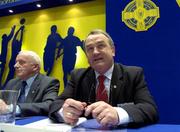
(18, 75)
(98, 67)
(98, 63)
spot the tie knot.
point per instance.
(24, 83)
(101, 78)
(22, 97)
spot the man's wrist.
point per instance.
(122, 115)
(18, 110)
(9, 108)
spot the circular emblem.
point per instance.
(140, 15)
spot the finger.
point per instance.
(73, 110)
(100, 116)
(75, 104)
(89, 109)
(108, 117)
(105, 122)
(71, 115)
(71, 121)
(102, 119)
(68, 108)
(70, 118)
(84, 104)
(99, 109)
(74, 122)
(98, 119)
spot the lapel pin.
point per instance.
(114, 86)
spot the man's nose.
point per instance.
(16, 65)
(96, 51)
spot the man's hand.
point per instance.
(3, 107)
(104, 113)
(72, 110)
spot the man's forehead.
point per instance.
(96, 35)
(96, 38)
(22, 57)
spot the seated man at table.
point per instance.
(112, 93)
(36, 91)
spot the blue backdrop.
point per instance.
(156, 50)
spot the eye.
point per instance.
(21, 62)
(101, 46)
(89, 49)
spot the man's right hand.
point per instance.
(3, 107)
(72, 110)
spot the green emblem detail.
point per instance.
(140, 15)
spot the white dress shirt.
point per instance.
(123, 115)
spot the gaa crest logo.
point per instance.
(140, 15)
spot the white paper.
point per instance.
(47, 124)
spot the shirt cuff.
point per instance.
(60, 112)
(123, 116)
(18, 110)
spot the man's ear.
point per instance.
(113, 50)
(35, 67)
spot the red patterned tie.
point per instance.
(101, 94)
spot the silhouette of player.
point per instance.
(53, 41)
(5, 40)
(69, 52)
(16, 48)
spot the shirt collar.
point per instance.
(107, 74)
(30, 80)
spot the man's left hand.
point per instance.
(104, 113)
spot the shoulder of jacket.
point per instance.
(81, 70)
(128, 67)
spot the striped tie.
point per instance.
(101, 94)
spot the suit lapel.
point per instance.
(117, 85)
(18, 87)
(86, 85)
(33, 89)
(91, 86)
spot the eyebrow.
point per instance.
(98, 42)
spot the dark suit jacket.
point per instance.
(128, 90)
(42, 93)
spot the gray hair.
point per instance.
(99, 31)
(34, 56)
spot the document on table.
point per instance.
(45, 125)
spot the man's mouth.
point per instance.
(98, 59)
(18, 70)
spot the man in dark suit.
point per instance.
(39, 90)
(127, 100)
